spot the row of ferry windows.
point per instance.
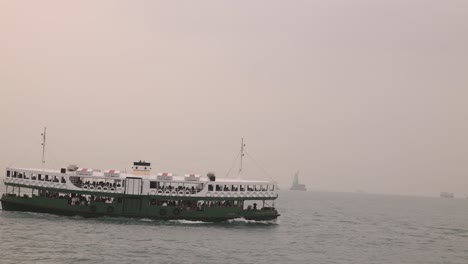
(35, 176)
(240, 187)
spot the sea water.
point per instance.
(314, 227)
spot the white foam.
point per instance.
(243, 220)
(188, 222)
(146, 220)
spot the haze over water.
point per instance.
(357, 95)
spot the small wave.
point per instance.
(181, 221)
(246, 221)
(146, 220)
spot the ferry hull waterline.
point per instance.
(164, 196)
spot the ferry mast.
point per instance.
(43, 145)
(241, 155)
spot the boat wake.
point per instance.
(187, 222)
(246, 221)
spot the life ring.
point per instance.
(119, 189)
(105, 188)
(153, 192)
(112, 189)
(85, 187)
(181, 193)
(215, 194)
(21, 181)
(91, 188)
(162, 212)
(208, 194)
(99, 188)
(167, 192)
(110, 210)
(92, 208)
(235, 195)
(173, 192)
(187, 192)
(176, 211)
(160, 191)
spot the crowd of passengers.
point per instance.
(193, 205)
(235, 189)
(78, 199)
(55, 179)
(75, 199)
(99, 183)
(170, 188)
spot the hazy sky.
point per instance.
(356, 94)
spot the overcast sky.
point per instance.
(358, 95)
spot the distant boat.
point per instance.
(296, 186)
(446, 195)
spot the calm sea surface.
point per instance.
(314, 228)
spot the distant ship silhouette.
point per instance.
(296, 186)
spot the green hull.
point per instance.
(130, 206)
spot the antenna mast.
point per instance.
(43, 145)
(241, 155)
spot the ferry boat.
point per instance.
(141, 194)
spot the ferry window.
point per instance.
(63, 180)
(26, 176)
(249, 188)
(14, 174)
(8, 173)
(20, 176)
(47, 177)
(242, 188)
(234, 188)
(40, 177)
(272, 187)
(218, 187)
(210, 187)
(153, 185)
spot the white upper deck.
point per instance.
(140, 183)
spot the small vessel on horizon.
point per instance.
(296, 186)
(447, 195)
